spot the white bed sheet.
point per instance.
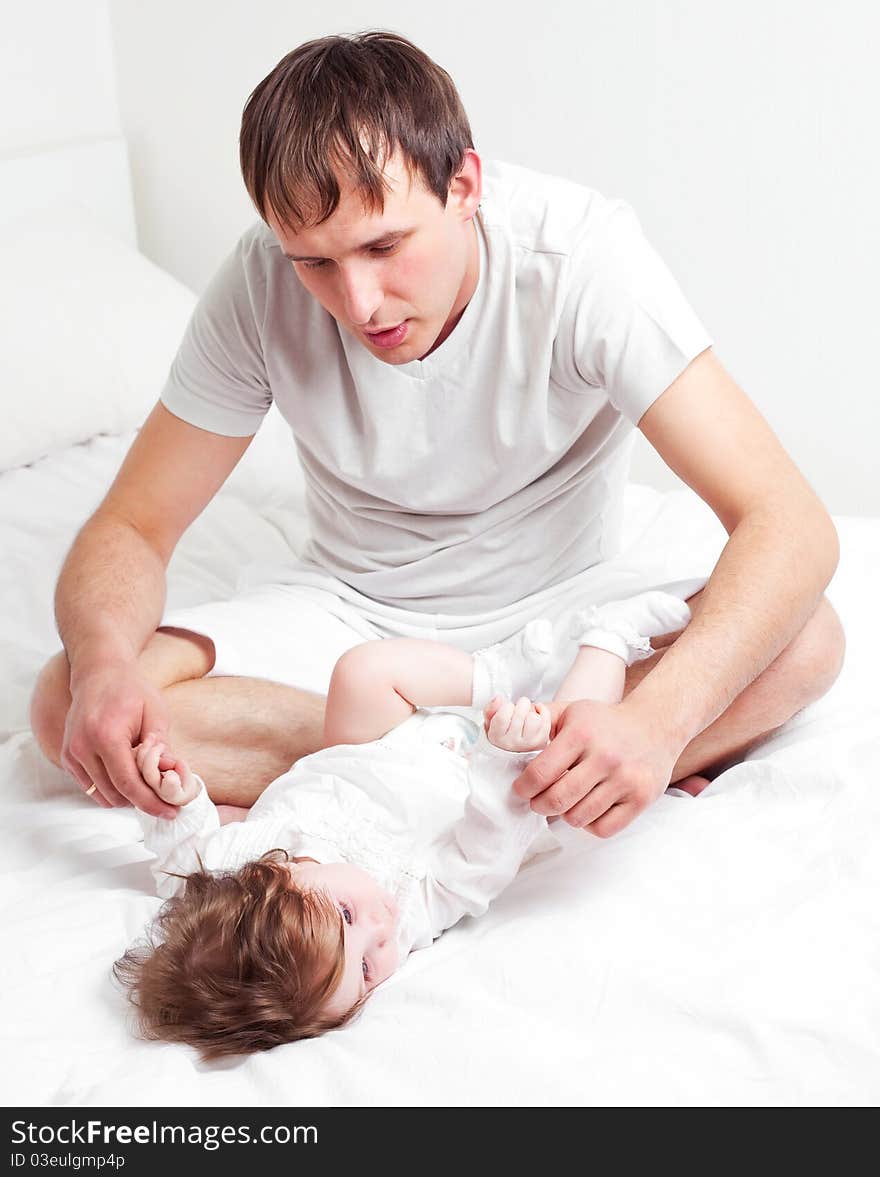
(720, 951)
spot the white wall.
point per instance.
(744, 133)
(57, 75)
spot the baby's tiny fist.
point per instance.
(178, 785)
(170, 788)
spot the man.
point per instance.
(462, 353)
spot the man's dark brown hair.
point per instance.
(343, 105)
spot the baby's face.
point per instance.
(369, 916)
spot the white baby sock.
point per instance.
(514, 667)
(624, 627)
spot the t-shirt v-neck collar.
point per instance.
(452, 345)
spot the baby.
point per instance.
(280, 926)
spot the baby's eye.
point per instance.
(346, 913)
(365, 969)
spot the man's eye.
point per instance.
(380, 249)
(346, 913)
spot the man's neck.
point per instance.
(466, 291)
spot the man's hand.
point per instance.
(110, 708)
(602, 768)
(167, 775)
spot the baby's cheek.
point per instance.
(394, 960)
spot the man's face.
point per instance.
(414, 264)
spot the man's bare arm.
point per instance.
(606, 764)
(111, 594)
(782, 552)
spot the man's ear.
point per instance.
(466, 189)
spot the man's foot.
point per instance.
(624, 627)
(230, 813)
(514, 667)
(692, 784)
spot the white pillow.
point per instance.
(89, 330)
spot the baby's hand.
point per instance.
(524, 727)
(167, 775)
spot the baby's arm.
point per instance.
(193, 839)
(594, 674)
(486, 847)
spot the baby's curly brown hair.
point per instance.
(240, 961)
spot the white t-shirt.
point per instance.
(498, 459)
(440, 828)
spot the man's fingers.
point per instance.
(566, 792)
(612, 821)
(86, 768)
(104, 786)
(154, 720)
(547, 768)
(123, 771)
(592, 806)
(79, 774)
(143, 750)
(149, 765)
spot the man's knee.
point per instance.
(50, 703)
(815, 656)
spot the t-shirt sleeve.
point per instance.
(218, 378)
(629, 326)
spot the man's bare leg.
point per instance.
(238, 734)
(802, 673)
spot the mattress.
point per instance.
(721, 951)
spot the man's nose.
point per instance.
(362, 295)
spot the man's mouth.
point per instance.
(390, 336)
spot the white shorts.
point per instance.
(291, 623)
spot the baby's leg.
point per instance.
(377, 685)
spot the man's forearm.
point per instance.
(766, 585)
(110, 594)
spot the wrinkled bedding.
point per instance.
(720, 951)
